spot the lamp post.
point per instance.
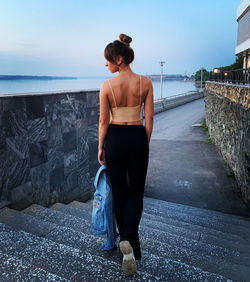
(201, 77)
(216, 72)
(161, 64)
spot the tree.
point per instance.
(238, 64)
(205, 75)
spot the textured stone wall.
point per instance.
(228, 120)
(238, 94)
(48, 147)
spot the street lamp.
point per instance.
(216, 70)
(201, 77)
(161, 63)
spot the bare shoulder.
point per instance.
(146, 81)
(104, 89)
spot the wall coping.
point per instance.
(229, 84)
(48, 93)
(237, 93)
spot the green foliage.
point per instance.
(205, 127)
(238, 64)
(205, 75)
(231, 174)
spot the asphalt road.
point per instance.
(176, 124)
(185, 168)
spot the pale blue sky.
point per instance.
(62, 37)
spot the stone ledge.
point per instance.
(234, 92)
(161, 105)
(45, 93)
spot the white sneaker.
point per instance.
(128, 262)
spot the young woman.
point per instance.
(124, 143)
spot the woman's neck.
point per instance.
(125, 69)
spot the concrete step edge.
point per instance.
(208, 231)
(234, 255)
(227, 240)
(182, 267)
(190, 209)
(201, 221)
(203, 233)
(82, 234)
(4, 204)
(51, 255)
(153, 247)
(244, 224)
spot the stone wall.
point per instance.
(48, 147)
(228, 120)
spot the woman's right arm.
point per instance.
(149, 110)
(103, 121)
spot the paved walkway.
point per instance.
(184, 168)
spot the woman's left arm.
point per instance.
(103, 121)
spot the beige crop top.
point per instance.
(125, 114)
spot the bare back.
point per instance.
(128, 92)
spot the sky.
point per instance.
(67, 38)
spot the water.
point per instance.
(175, 87)
(35, 85)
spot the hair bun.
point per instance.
(125, 39)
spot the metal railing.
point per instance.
(187, 94)
(231, 76)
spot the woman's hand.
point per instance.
(101, 156)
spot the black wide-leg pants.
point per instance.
(126, 157)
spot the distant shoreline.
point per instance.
(170, 77)
(34, 77)
(48, 77)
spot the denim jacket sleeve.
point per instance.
(103, 220)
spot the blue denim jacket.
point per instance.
(103, 219)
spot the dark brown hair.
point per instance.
(118, 48)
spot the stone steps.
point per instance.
(59, 238)
(198, 212)
(62, 260)
(179, 212)
(77, 223)
(206, 234)
(201, 220)
(196, 255)
(13, 269)
(4, 204)
(38, 251)
(173, 226)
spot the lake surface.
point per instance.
(35, 85)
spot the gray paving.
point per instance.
(185, 168)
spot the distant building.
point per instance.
(158, 76)
(243, 40)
